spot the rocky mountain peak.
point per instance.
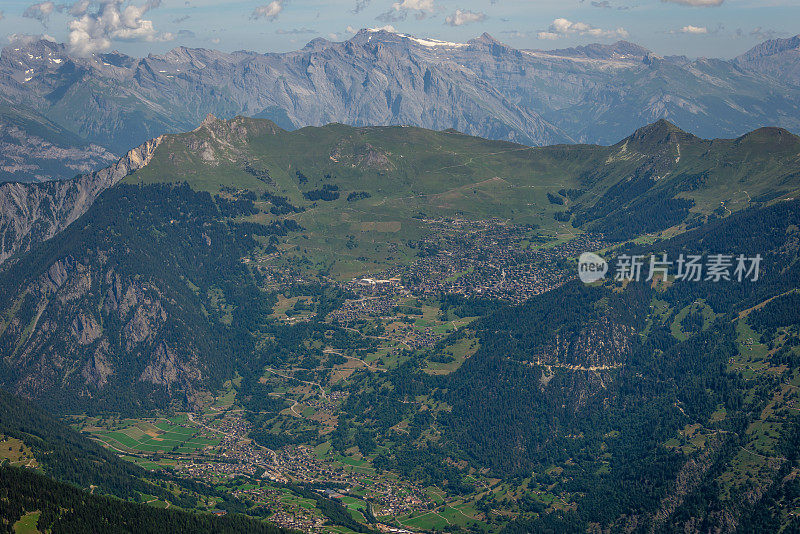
(486, 39)
(771, 48)
(29, 53)
(317, 44)
(487, 43)
(401, 41)
(779, 58)
(653, 136)
(771, 138)
(32, 44)
(180, 54)
(368, 35)
(629, 49)
(658, 127)
(621, 50)
(209, 120)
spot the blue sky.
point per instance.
(711, 28)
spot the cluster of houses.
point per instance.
(355, 310)
(491, 259)
(235, 455)
(287, 513)
(488, 258)
(393, 497)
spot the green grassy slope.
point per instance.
(658, 178)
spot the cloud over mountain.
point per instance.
(562, 27)
(460, 17)
(269, 11)
(41, 11)
(400, 10)
(101, 22)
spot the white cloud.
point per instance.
(400, 10)
(105, 21)
(25, 39)
(763, 34)
(78, 9)
(459, 18)
(696, 3)
(361, 5)
(562, 28)
(516, 34)
(694, 30)
(41, 11)
(388, 28)
(295, 31)
(269, 11)
(420, 5)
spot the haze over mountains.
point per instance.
(593, 94)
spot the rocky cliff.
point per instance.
(34, 149)
(34, 212)
(102, 314)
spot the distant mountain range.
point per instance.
(34, 149)
(62, 115)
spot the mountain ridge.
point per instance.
(30, 214)
(24, 222)
(243, 186)
(590, 94)
(777, 57)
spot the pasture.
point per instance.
(156, 437)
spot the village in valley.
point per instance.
(215, 447)
(386, 316)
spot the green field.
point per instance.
(160, 436)
(27, 524)
(16, 452)
(445, 517)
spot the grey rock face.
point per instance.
(34, 212)
(66, 335)
(34, 149)
(778, 58)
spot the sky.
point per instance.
(695, 28)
